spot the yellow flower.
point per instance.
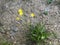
(20, 11)
(32, 14)
(17, 18)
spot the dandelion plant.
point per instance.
(38, 33)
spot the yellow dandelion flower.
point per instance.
(17, 18)
(20, 11)
(32, 14)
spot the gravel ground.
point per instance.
(15, 31)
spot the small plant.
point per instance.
(45, 12)
(5, 43)
(49, 1)
(38, 33)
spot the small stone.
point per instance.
(12, 33)
(47, 9)
(55, 25)
(14, 42)
(8, 28)
(12, 37)
(50, 42)
(8, 33)
(14, 28)
(59, 40)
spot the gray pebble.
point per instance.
(14, 28)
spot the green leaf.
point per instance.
(46, 12)
(49, 1)
(38, 32)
